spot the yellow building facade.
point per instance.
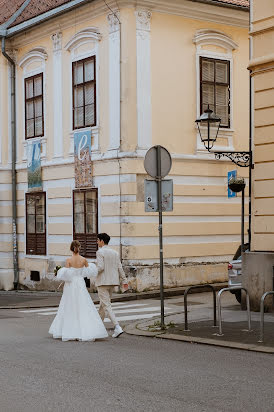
(258, 264)
(134, 78)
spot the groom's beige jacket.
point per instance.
(110, 270)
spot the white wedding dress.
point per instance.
(77, 318)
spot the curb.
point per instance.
(125, 297)
(133, 330)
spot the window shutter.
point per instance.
(85, 212)
(35, 223)
(214, 88)
(222, 92)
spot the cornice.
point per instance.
(87, 12)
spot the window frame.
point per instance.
(93, 82)
(228, 84)
(26, 79)
(28, 195)
(77, 236)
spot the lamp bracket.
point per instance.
(241, 159)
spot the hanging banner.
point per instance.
(82, 159)
(34, 165)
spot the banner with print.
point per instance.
(34, 165)
(82, 158)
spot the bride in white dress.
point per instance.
(77, 318)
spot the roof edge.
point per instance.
(44, 17)
(217, 3)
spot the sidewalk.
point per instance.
(201, 329)
(24, 299)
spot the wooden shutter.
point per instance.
(215, 88)
(85, 220)
(36, 223)
(34, 113)
(84, 92)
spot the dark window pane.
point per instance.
(89, 94)
(208, 71)
(91, 212)
(38, 107)
(78, 73)
(31, 223)
(38, 86)
(29, 88)
(221, 72)
(78, 96)
(89, 115)
(40, 224)
(38, 126)
(79, 117)
(208, 94)
(89, 70)
(29, 110)
(79, 210)
(30, 128)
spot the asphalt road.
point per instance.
(131, 373)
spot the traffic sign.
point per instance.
(230, 193)
(158, 155)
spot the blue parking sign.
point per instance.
(232, 173)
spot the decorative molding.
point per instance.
(90, 11)
(90, 33)
(114, 82)
(144, 109)
(214, 37)
(57, 41)
(143, 19)
(57, 94)
(38, 53)
(114, 22)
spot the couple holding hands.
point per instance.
(77, 317)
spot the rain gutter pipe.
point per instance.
(13, 165)
(6, 33)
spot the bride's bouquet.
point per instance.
(56, 269)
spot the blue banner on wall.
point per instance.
(82, 158)
(232, 173)
(34, 165)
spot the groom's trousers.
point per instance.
(104, 294)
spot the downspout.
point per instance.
(13, 146)
(250, 136)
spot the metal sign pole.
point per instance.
(159, 186)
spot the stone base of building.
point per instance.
(141, 277)
(258, 278)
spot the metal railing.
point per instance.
(262, 314)
(219, 307)
(185, 302)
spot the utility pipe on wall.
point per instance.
(13, 167)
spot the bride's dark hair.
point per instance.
(75, 246)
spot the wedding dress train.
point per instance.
(77, 318)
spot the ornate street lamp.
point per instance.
(208, 125)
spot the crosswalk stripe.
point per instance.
(115, 305)
(131, 310)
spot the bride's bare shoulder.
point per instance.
(68, 263)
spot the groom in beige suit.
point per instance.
(110, 274)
